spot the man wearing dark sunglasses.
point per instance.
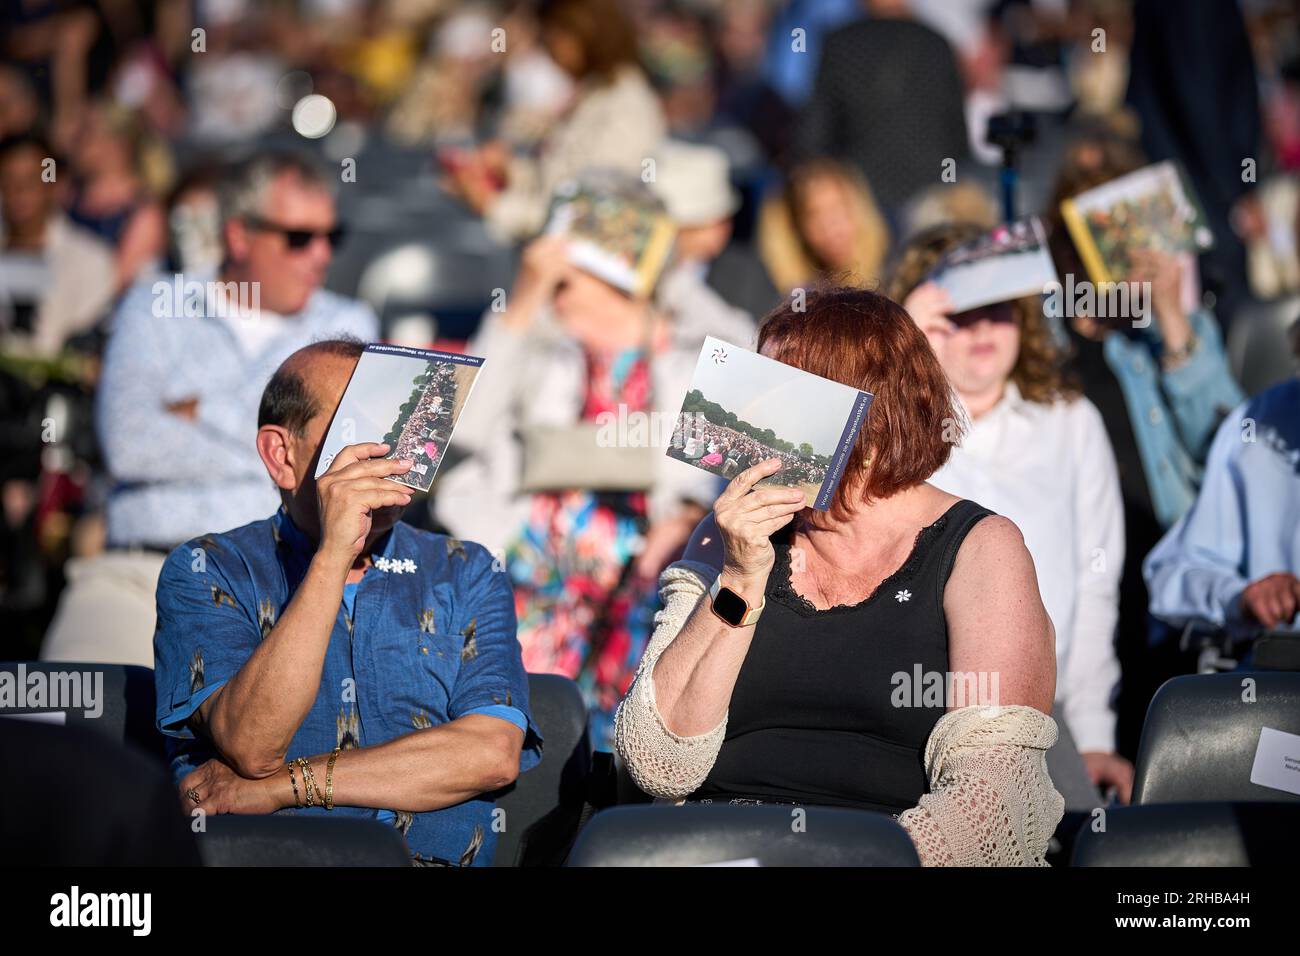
(184, 369)
(297, 239)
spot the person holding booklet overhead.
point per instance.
(566, 477)
(782, 666)
(1036, 451)
(331, 659)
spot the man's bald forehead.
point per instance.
(310, 377)
(317, 354)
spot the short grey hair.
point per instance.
(242, 191)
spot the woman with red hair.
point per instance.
(890, 654)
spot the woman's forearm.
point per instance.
(696, 674)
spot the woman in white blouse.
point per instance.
(1036, 452)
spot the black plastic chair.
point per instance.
(301, 841)
(125, 704)
(701, 834)
(543, 808)
(1201, 733)
(1190, 834)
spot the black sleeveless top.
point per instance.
(829, 707)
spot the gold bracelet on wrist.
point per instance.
(309, 782)
(297, 801)
(329, 779)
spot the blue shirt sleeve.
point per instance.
(492, 673)
(1195, 572)
(512, 714)
(204, 634)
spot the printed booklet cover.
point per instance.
(1008, 262)
(743, 408)
(408, 398)
(1150, 208)
(617, 232)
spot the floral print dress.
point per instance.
(582, 612)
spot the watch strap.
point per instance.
(751, 614)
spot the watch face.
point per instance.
(730, 606)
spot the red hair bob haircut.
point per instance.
(869, 342)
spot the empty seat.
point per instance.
(544, 805)
(1202, 731)
(232, 840)
(1190, 834)
(113, 699)
(700, 834)
(72, 797)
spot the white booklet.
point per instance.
(743, 408)
(408, 398)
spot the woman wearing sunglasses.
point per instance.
(1037, 452)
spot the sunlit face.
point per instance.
(978, 358)
(827, 222)
(25, 199)
(287, 276)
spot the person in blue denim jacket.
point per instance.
(1158, 372)
(1160, 378)
(331, 659)
(1176, 387)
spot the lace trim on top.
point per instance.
(781, 588)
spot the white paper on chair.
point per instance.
(1277, 760)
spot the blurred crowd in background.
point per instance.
(795, 143)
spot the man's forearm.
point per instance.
(253, 719)
(420, 771)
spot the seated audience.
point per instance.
(1162, 384)
(1234, 559)
(187, 358)
(1036, 452)
(56, 284)
(613, 120)
(259, 632)
(814, 703)
(1165, 370)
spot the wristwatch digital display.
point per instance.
(731, 608)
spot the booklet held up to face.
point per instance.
(743, 408)
(407, 398)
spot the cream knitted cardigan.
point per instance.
(991, 801)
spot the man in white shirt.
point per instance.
(186, 362)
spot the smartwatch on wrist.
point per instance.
(731, 608)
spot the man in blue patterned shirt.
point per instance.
(383, 655)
